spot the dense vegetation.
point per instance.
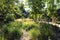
(40, 10)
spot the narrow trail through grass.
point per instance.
(31, 20)
(25, 35)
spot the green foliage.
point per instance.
(12, 30)
(46, 29)
(58, 1)
(7, 8)
(46, 32)
(30, 26)
(13, 25)
(33, 33)
(32, 29)
(42, 7)
(42, 32)
(51, 9)
(36, 6)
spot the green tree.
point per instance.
(36, 6)
(7, 9)
(43, 7)
(47, 32)
(51, 9)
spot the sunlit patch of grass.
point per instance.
(29, 22)
(26, 21)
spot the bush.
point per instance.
(9, 18)
(47, 32)
(34, 33)
(12, 30)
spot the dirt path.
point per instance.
(27, 19)
(25, 35)
(54, 24)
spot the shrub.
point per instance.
(12, 30)
(47, 32)
(34, 33)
